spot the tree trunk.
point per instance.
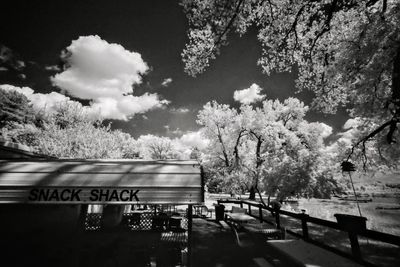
(252, 195)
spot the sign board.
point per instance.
(88, 182)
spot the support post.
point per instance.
(355, 246)
(277, 219)
(241, 204)
(249, 209)
(304, 226)
(260, 214)
(190, 222)
(82, 217)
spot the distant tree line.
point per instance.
(70, 132)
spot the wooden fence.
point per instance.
(305, 219)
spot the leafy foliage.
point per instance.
(70, 132)
(272, 148)
(14, 108)
(347, 52)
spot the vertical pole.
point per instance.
(82, 217)
(304, 225)
(355, 246)
(241, 204)
(277, 219)
(260, 215)
(249, 209)
(202, 184)
(190, 221)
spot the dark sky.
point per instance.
(39, 30)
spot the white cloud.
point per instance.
(52, 68)
(177, 131)
(104, 73)
(352, 123)
(249, 95)
(193, 139)
(326, 130)
(348, 137)
(124, 107)
(179, 110)
(166, 82)
(47, 102)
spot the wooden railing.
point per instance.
(305, 219)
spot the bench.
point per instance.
(224, 225)
(301, 253)
(238, 210)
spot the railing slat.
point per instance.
(378, 236)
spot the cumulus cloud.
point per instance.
(348, 137)
(249, 95)
(326, 130)
(352, 123)
(194, 139)
(105, 73)
(124, 107)
(166, 82)
(188, 141)
(179, 110)
(108, 108)
(48, 102)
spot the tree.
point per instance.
(155, 147)
(347, 52)
(14, 108)
(248, 146)
(71, 132)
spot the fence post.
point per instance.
(277, 218)
(355, 246)
(249, 209)
(241, 204)
(304, 226)
(260, 213)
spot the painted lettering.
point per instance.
(54, 196)
(121, 195)
(75, 195)
(94, 195)
(33, 194)
(43, 195)
(83, 195)
(134, 195)
(65, 197)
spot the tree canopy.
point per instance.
(70, 132)
(14, 108)
(271, 148)
(346, 52)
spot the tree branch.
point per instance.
(230, 23)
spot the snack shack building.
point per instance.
(97, 213)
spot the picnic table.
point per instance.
(263, 232)
(239, 218)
